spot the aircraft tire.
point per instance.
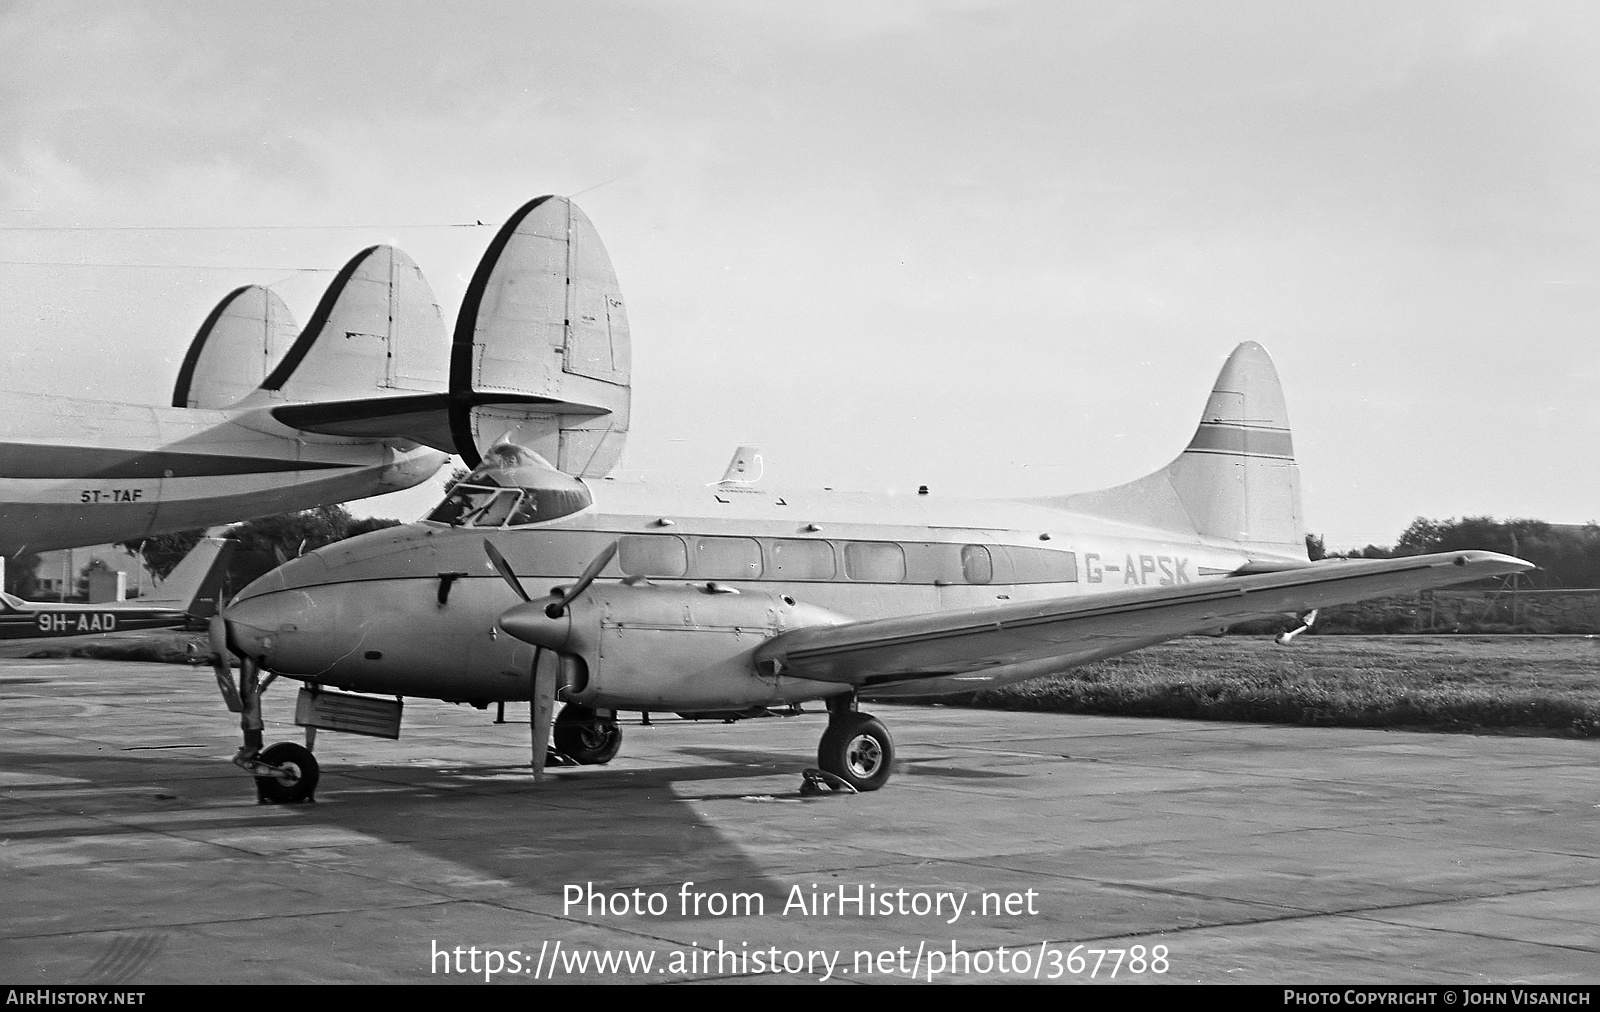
(857, 748)
(587, 737)
(295, 759)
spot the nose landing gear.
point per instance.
(285, 773)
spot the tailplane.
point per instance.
(1236, 482)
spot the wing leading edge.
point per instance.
(963, 650)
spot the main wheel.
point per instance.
(857, 748)
(296, 761)
(584, 735)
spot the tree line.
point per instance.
(1568, 555)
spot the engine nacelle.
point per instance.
(670, 648)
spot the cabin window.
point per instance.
(874, 561)
(653, 555)
(801, 560)
(727, 559)
(976, 566)
(1041, 565)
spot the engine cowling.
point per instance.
(669, 648)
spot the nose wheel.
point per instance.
(285, 773)
(292, 777)
(856, 748)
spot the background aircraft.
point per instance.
(367, 399)
(189, 595)
(736, 596)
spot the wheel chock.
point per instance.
(813, 781)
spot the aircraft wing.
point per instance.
(1023, 639)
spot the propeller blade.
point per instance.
(503, 567)
(558, 608)
(220, 666)
(543, 706)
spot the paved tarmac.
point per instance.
(132, 852)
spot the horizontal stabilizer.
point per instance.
(543, 319)
(236, 348)
(421, 418)
(377, 331)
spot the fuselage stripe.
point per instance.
(25, 460)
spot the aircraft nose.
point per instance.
(531, 623)
(273, 628)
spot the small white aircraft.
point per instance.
(190, 595)
(729, 598)
(366, 400)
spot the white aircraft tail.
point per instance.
(195, 584)
(235, 349)
(1236, 482)
(377, 332)
(542, 355)
(745, 468)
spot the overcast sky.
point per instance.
(996, 248)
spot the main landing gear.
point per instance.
(856, 747)
(588, 736)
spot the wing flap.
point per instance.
(1078, 629)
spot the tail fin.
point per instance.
(541, 356)
(542, 322)
(234, 350)
(1237, 481)
(745, 468)
(378, 331)
(196, 583)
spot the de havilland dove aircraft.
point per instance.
(737, 596)
(366, 400)
(189, 595)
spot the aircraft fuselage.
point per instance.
(56, 621)
(77, 472)
(413, 610)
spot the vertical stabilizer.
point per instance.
(543, 320)
(196, 583)
(235, 349)
(378, 331)
(745, 468)
(1236, 482)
